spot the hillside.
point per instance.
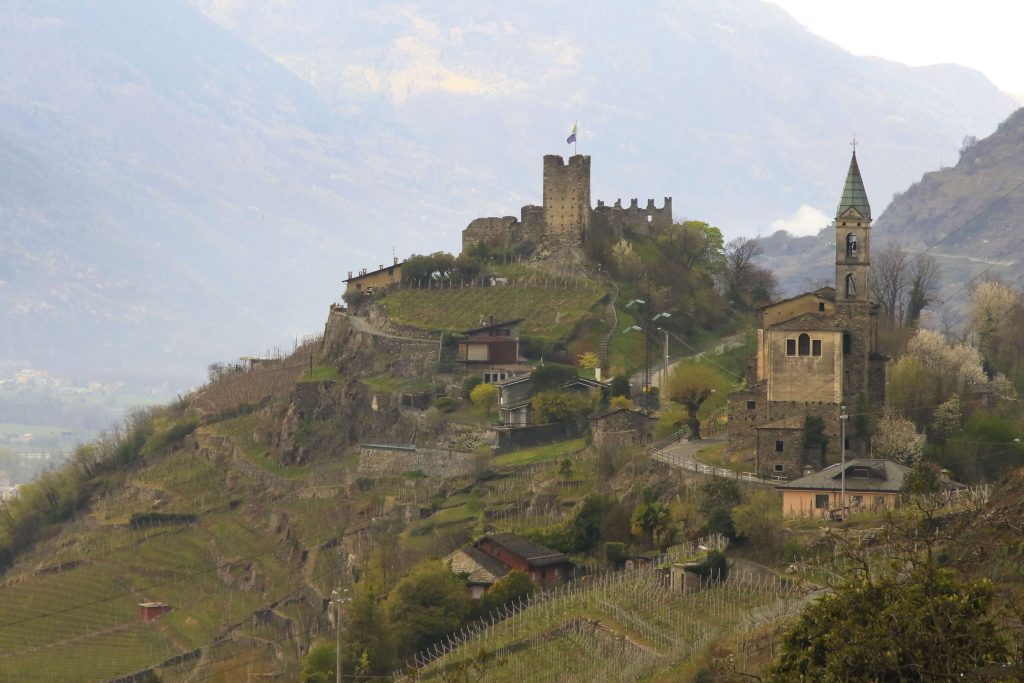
(245, 503)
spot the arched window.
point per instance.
(803, 345)
(851, 286)
(851, 246)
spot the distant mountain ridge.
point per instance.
(969, 217)
(171, 196)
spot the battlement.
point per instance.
(565, 217)
(634, 205)
(618, 220)
(556, 161)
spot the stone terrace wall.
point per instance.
(386, 459)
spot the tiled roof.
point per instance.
(491, 326)
(827, 293)
(810, 322)
(854, 195)
(882, 476)
(479, 567)
(534, 553)
(489, 339)
(607, 412)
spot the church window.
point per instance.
(851, 286)
(791, 347)
(847, 343)
(821, 306)
(779, 446)
(779, 468)
(816, 347)
(851, 246)
(804, 345)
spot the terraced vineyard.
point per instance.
(619, 627)
(551, 311)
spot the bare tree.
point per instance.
(745, 282)
(889, 280)
(924, 285)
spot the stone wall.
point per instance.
(493, 232)
(804, 377)
(513, 438)
(618, 221)
(566, 199)
(623, 428)
(741, 431)
(378, 460)
(531, 217)
(793, 457)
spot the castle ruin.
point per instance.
(566, 217)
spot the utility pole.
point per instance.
(664, 364)
(648, 320)
(337, 599)
(843, 417)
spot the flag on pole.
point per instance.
(572, 136)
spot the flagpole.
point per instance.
(576, 139)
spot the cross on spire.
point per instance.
(853, 143)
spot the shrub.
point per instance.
(140, 520)
(445, 404)
(469, 384)
(615, 552)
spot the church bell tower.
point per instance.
(853, 230)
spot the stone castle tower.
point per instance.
(566, 218)
(816, 352)
(566, 198)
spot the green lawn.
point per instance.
(320, 374)
(546, 453)
(549, 314)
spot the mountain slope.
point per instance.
(170, 195)
(966, 216)
(732, 107)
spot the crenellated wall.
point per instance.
(566, 217)
(620, 221)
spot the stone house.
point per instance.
(816, 353)
(621, 427)
(366, 281)
(480, 569)
(542, 564)
(781, 445)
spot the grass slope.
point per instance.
(551, 314)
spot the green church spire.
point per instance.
(854, 196)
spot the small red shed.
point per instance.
(148, 611)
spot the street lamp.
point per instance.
(843, 417)
(646, 329)
(339, 596)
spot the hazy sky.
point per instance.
(982, 34)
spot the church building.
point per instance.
(816, 353)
